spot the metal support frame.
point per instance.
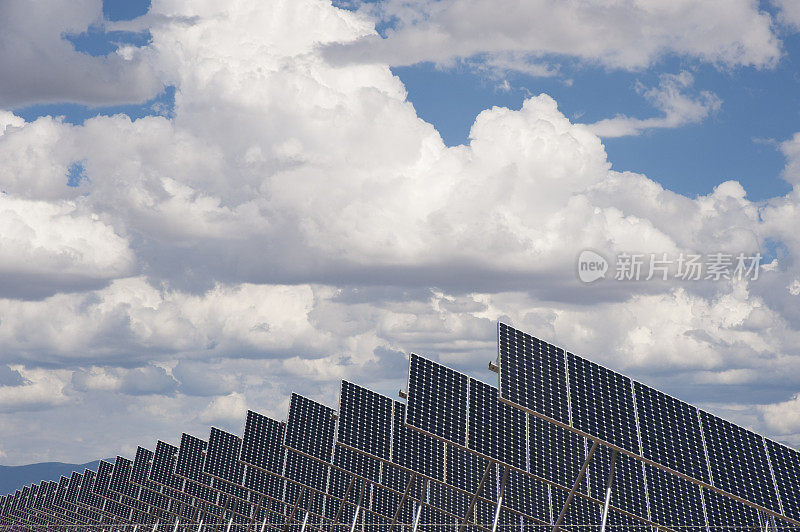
(344, 499)
(358, 506)
(294, 509)
(305, 521)
(475, 497)
(402, 501)
(500, 500)
(575, 487)
(609, 483)
(418, 513)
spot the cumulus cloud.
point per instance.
(788, 12)
(670, 98)
(225, 410)
(619, 35)
(46, 68)
(295, 222)
(784, 417)
(41, 389)
(47, 247)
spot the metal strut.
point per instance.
(419, 506)
(358, 506)
(609, 483)
(475, 497)
(500, 500)
(294, 509)
(575, 487)
(402, 501)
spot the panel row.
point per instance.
(546, 380)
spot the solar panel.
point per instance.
(674, 501)
(227, 472)
(670, 432)
(496, 429)
(262, 449)
(602, 403)
(437, 400)
(532, 373)
(727, 515)
(189, 465)
(222, 459)
(149, 492)
(786, 467)
(738, 461)
(628, 488)
(645, 423)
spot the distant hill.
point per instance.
(14, 477)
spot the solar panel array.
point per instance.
(459, 454)
(692, 461)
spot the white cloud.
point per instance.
(620, 35)
(50, 246)
(784, 417)
(47, 68)
(296, 222)
(42, 389)
(225, 410)
(788, 12)
(670, 98)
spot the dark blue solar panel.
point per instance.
(628, 489)
(556, 454)
(437, 400)
(674, 501)
(602, 403)
(528, 496)
(532, 373)
(496, 429)
(103, 478)
(786, 467)
(191, 456)
(162, 469)
(365, 420)
(738, 460)
(310, 428)
(73, 487)
(582, 515)
(415, 450)
(222, 458)
(670, 432)
(727, 515)
(262, 445)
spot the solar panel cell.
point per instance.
(738, 461)
(532, 373)
(670, 432)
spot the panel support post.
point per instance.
(294, 509)
(155, 526)
(475, 497)
(175, 528)
(200, 525)
(500, 500)
(263, 523)
(419, 506)
(344, 499)
(305, 520)
(358, 506)
(230, 522)
(402, 501)
(575, 486)
(609, 483)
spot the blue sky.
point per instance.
(207, 206)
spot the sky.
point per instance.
(205, 206)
